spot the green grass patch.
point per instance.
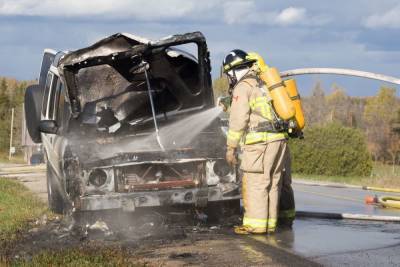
(83, 256)
(16, 158)
(382, 175)
(18, 207)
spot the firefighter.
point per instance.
(264, 148)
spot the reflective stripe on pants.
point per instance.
(272, 222)
(287, 214)
(255, 223)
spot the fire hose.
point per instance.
(381, 189)
(384, 201)
(348, 216)
(389, 201)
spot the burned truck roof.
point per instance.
(106, 81)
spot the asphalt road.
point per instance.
(341, 242)
(33, 177)
(328, 242)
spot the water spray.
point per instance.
(146, 65)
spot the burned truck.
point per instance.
(100, 113)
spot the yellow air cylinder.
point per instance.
(291, 88)
(280, 98)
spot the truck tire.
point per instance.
(57, 203)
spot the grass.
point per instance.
(83, 256)
(18, 207)
(382, 176)
(16, 158)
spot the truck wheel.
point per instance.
(57, 203)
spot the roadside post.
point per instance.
(12, 149)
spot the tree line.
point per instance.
(378, 117)
(11, 96)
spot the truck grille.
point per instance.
(159, 176)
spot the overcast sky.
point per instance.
(354, 34)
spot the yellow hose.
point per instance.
(390, 202)
(382, 189)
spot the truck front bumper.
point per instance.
(133, 200)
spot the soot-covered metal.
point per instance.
(108, 74)
(105, 153)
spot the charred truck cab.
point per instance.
(98, 110)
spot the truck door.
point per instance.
(48, 113)
(48, 58)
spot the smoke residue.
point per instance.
(182, 132)
(173, 136)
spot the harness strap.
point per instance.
(272, 87)
(296, 97)
(266, 126)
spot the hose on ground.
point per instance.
(381, 189)
(338, 185)
(349, 216)
(389, 201)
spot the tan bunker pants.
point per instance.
(262, 186)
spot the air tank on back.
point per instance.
(285, 98)
(291, 88)
(280, 97)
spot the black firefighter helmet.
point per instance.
(237, 59)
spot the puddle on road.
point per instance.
(311, 237)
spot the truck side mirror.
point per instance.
(48, 126)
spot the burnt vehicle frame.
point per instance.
(99, 99)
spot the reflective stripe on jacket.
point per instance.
(250, 107)
(257, 137)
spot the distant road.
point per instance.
(32, 176)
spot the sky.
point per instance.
(356, 34)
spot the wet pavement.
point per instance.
(340, 242)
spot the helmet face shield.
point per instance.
(232, 79)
